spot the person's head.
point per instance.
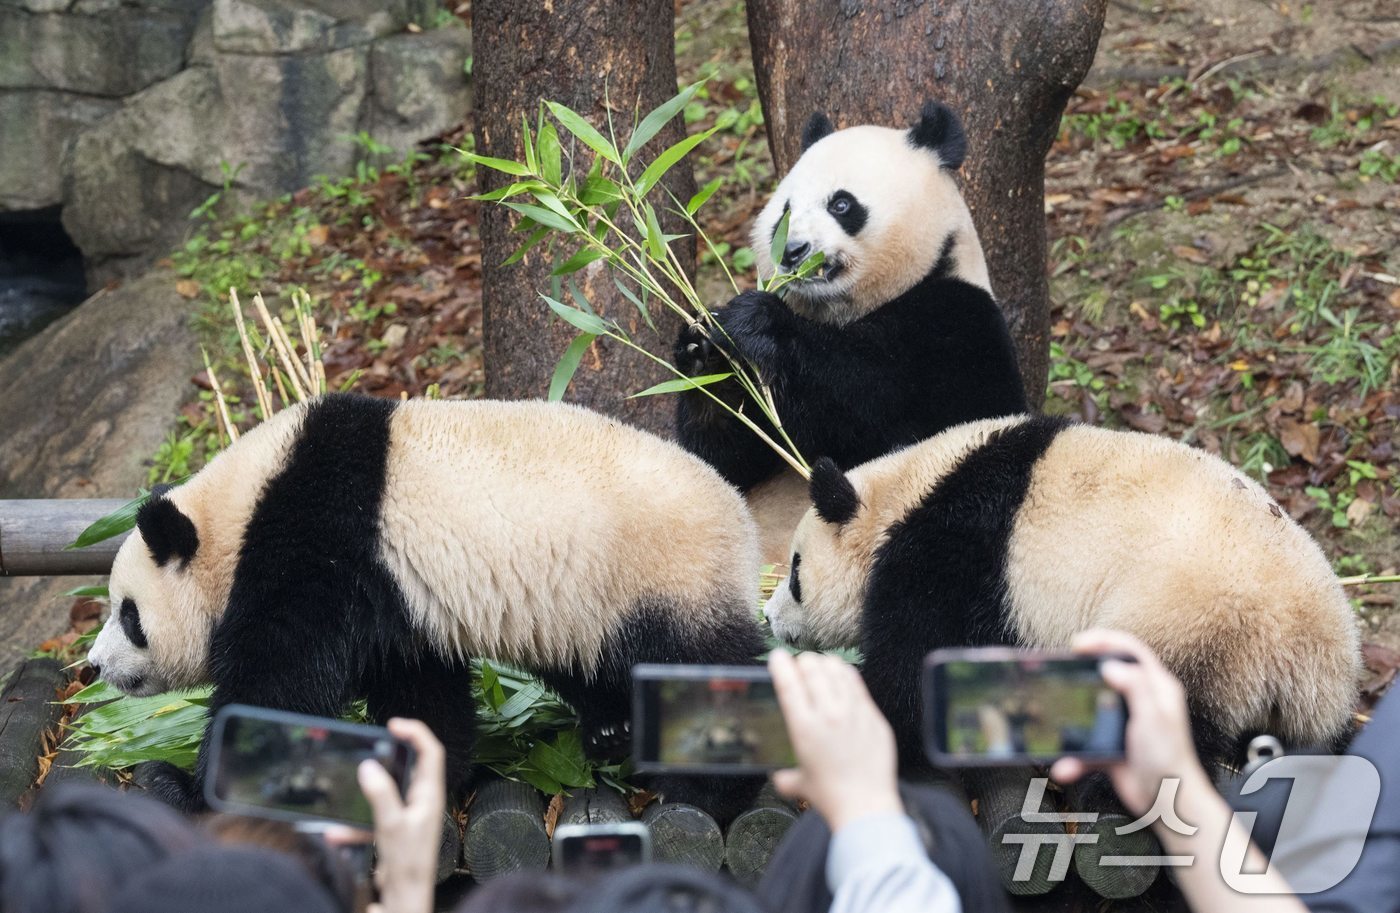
(661, 888)
(224, 879)
(318, 859)
(80, 843)
(524, 892)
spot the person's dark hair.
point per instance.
(318, 859)
(224, 879)
(661, 888)
(80, 843)
(523, 892)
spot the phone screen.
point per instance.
(296, 767)
(1009, 706)
(595, 849)
(708, 719)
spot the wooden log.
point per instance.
(1000, 794)
(595, 806)
(684, 834)
(449, 849)
(754, 836)
(1115, 880)
(505, 831)
(33, 534)
(28, 709)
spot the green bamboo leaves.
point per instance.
(612, 214)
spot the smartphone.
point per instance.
(998, 705)
(294, 767)
(707, 720)
(592, 849)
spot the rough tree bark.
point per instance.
(570, 51)
(1008, 66)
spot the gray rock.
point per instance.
(419, 87)
(288, 119)
(86, 403)
(299, 26)
(112, 54)
(131, 181)
(35, 129)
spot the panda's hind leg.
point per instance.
(435, 690)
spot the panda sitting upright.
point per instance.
(896, 338)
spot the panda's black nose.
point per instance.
(795, 253)
(96, 669)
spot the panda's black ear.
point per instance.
(940, 130)
(833, 495)
(168, 533)
(818, 125)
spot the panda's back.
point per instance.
(527, 530)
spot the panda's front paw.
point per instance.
(754, 320)
(607, 741)
(694, 354)
(171, 785)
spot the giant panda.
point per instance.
(354, 547)
(895, 339)
(1026, 530)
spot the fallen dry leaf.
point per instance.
(1300, 439)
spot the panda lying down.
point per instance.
(1025, 531)
(365, 548)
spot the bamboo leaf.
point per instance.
(681, 384)
(656, 243)
(551, 155)
(562, 761)
(509, 190)
(114, 524)
(96, 592)
(530, 242)
(654, 122)
(584, 131)
(568, 366)
(637, 302)
(545, 216)
(579, 320)
(702, 196)
(519, 169)
(528, 141)
(581, 258)
(667, 160)
(780, 233)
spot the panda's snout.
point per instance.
(794, 253)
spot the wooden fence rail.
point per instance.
(33, 534)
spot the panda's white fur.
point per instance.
(1116, 530)
(522, 531)
(914, 205)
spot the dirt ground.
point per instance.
(1223, 204)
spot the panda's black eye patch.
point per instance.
(794, 581)
(847, 211)
(131, 623)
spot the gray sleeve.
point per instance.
(877, 864)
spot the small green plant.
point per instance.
(1377, 164)
(1334, 505)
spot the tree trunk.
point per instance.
(572, 52)
(1007, 66)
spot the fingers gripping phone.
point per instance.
(294, 767)
(1002, 706)
(707, 720)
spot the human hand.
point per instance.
(846, 760)
(1159, 745)
(407, 829)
